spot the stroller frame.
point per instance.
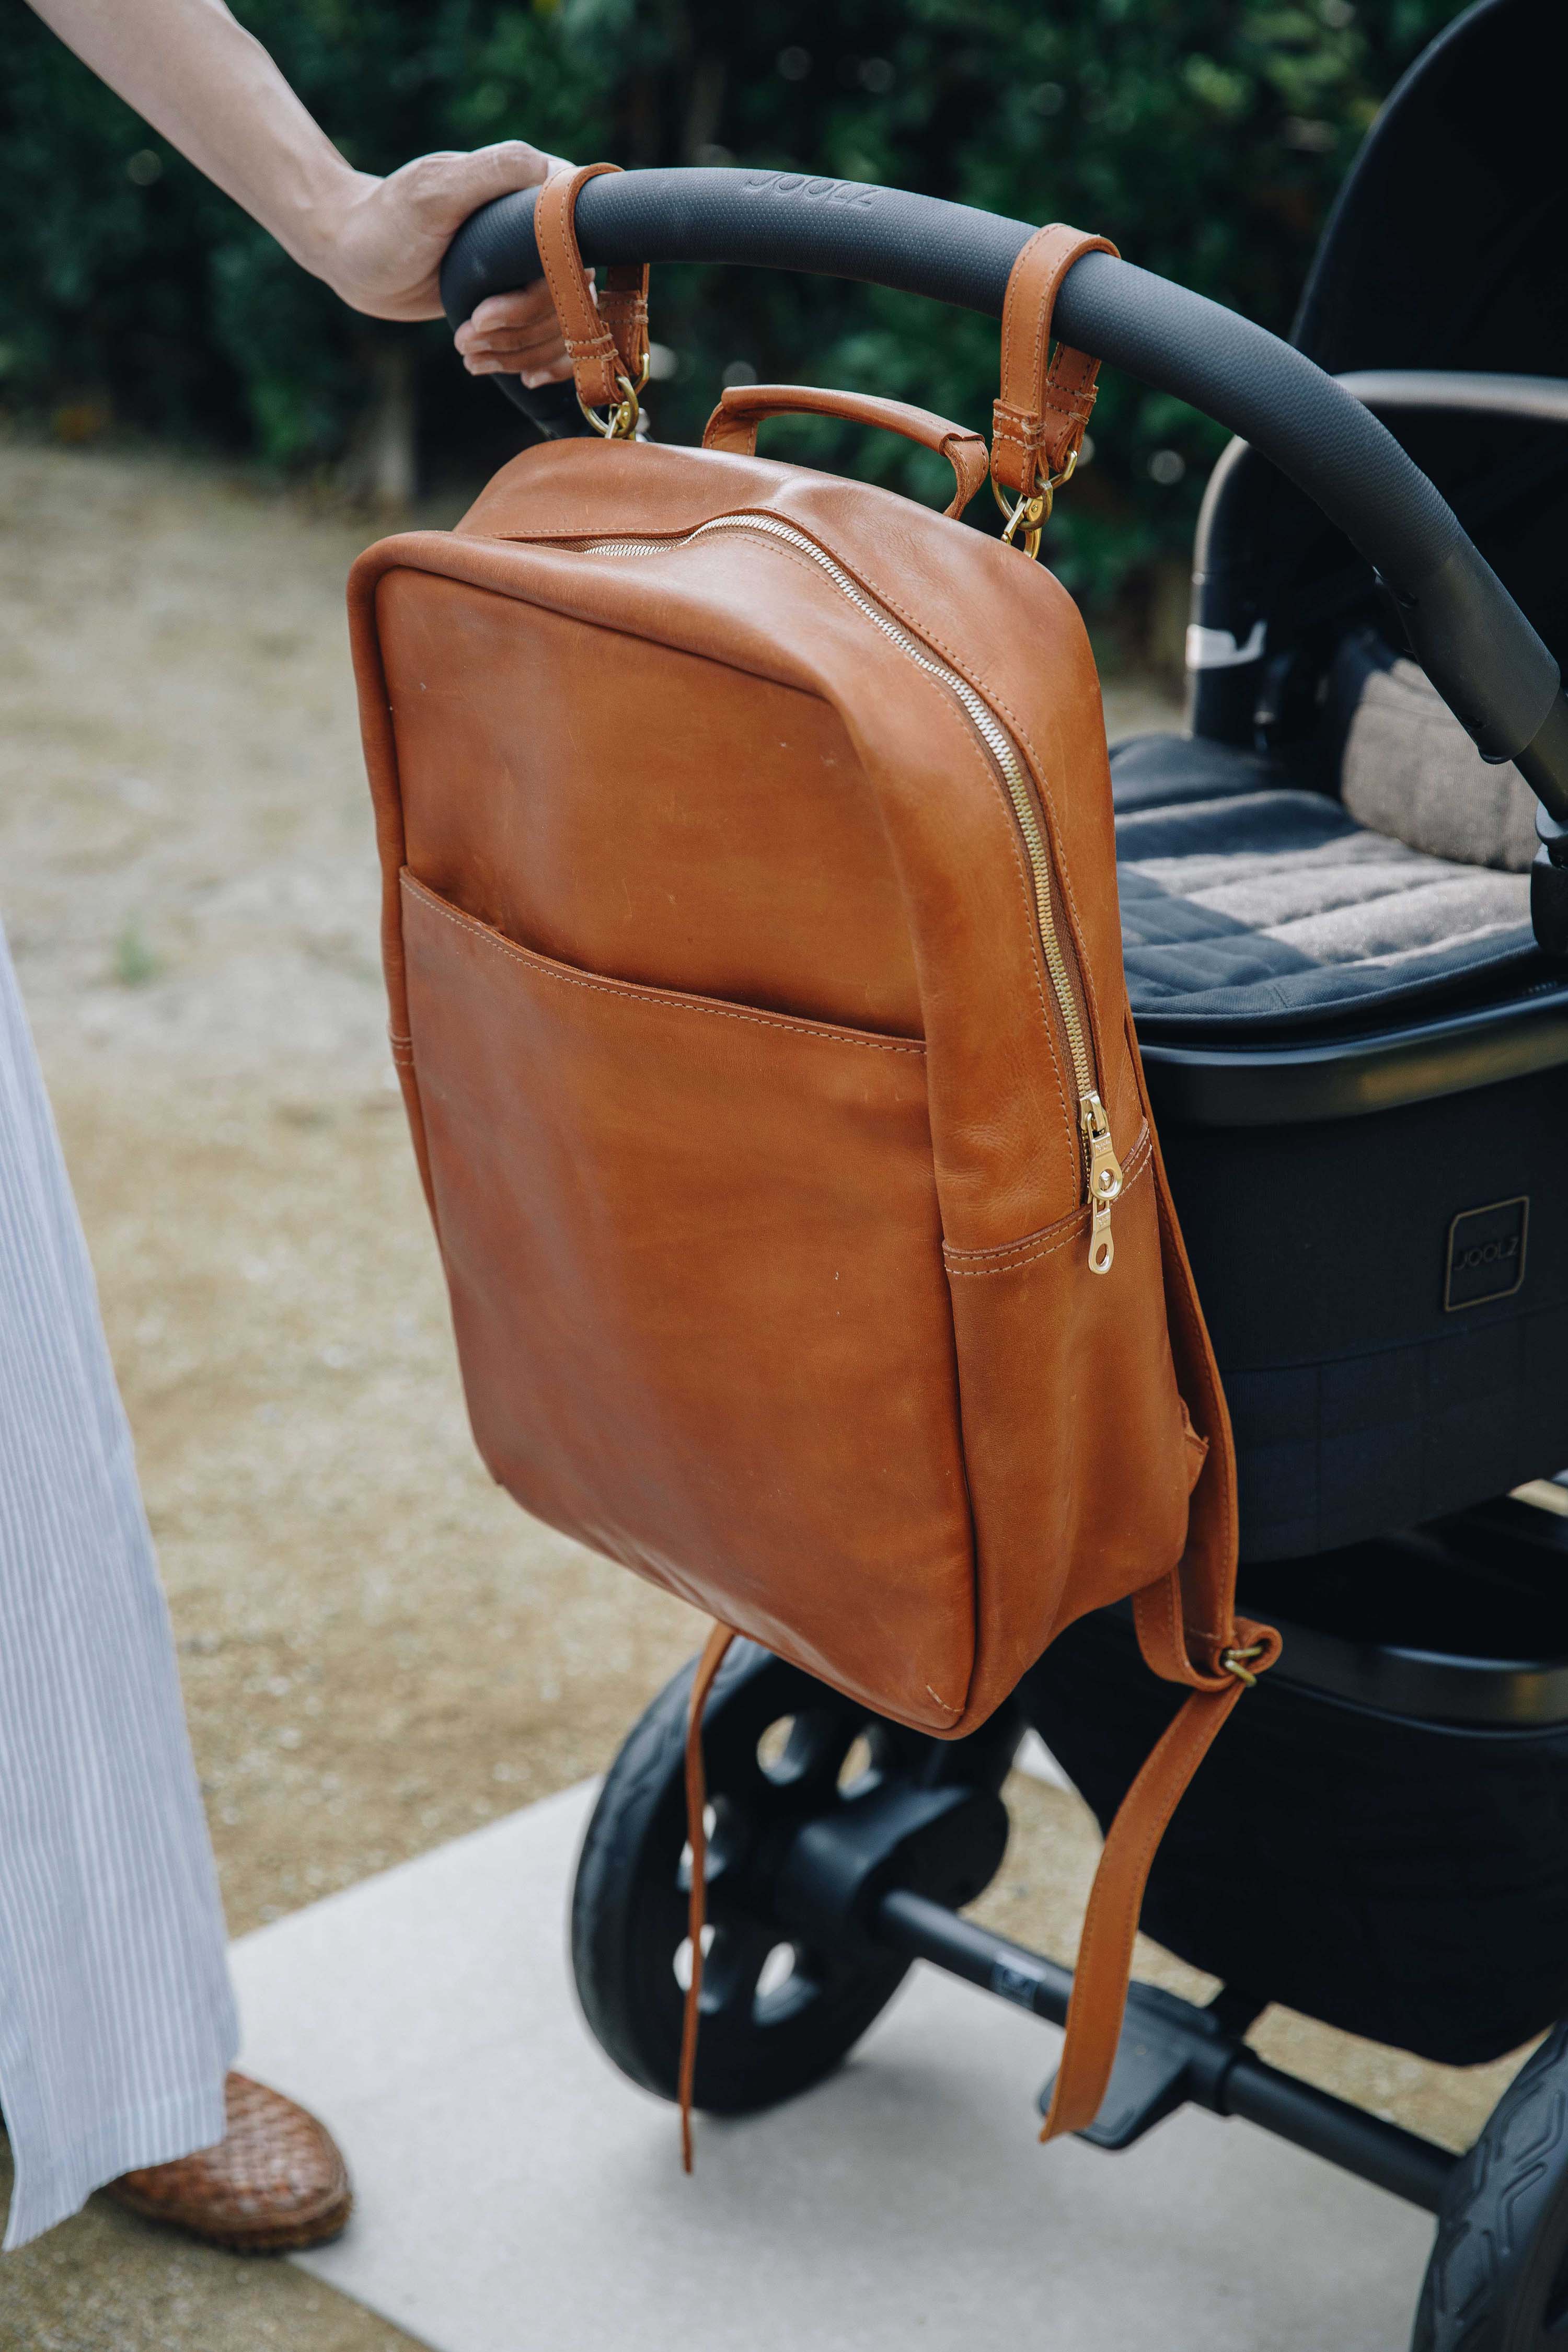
(869, 1871)
(865, 1865)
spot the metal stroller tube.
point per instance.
(1477, 646)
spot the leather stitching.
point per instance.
(591, 344)
(1178, 1654)
(1078, 1227)
(733, 425)
(1197, 1342)
(894, 603)
(1178, 1648)
(1010, 1255)
(1020, 863)
(1047, 801)
(1046, 415)
(657, 1000)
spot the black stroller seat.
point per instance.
(1343, 952)
(1341, 1001)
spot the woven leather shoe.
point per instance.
(274, 2183)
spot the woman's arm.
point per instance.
(199, 78)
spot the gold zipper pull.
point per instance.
(1104, 1181)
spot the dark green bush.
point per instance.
(1206, 136)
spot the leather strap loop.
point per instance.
(733, 425)
(607, 339)
(1168, 1642)
(1104, 1969)
(1044, 404)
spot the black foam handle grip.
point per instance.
(1505, 692)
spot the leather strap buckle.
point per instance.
(1045, 396)
(607, 338)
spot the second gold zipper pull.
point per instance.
(1104, 1181)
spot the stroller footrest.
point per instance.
(1171, 2054)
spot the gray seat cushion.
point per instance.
(1409, 770)
(1249, 897)
(1273, 905)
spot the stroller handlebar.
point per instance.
(1477, 646)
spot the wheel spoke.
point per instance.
(730, 1971)
(776, 2017)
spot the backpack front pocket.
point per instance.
(697, 1281)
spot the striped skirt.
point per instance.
(117, 2023)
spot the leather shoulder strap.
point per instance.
(1184, 1621)
(1104, 1967)
(1044, 404)
(605, 339)
(1188, 1633)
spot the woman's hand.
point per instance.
(381, 250)
(198, 77)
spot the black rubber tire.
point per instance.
(1498, 2279)
(629, 1902)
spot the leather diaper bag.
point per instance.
(751, 940)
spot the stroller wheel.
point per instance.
(780, 1750)
(1498, 2279)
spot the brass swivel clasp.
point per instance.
(1030, 511)
(620, 423)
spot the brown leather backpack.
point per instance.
(755, 960)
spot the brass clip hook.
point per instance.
(1234, 1663)
(1031, 509)
(621, 423)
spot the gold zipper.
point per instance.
(1102, 1170)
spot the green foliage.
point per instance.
(1206, 136)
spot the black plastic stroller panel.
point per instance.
(1346, 960)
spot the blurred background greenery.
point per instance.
(1207, 137)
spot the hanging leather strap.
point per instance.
(714, 1651)
(1044, 404)
(607, 339)
(1104, 1969)
(1188, 1633)
(1188, 1616)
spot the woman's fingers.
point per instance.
(532, 371)
(537, 335)
(515, 334)
(538, 356)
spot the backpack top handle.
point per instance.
(733, 427)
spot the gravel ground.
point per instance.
(379, 1651)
